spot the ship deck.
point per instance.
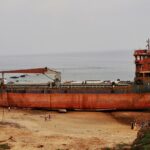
(44, 88)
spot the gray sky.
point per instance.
(45, 26)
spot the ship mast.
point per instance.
(148, 44)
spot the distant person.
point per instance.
(132, 125)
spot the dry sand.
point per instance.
(28, 130)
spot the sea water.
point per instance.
(76, 66)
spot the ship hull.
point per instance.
(128, 101)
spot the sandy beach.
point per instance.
(49, 130)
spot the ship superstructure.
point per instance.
(142, 62)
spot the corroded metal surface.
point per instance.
(33, 70)
(76, 101)
(142, 62)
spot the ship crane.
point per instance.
(50, 73)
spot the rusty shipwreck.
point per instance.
(91, 95)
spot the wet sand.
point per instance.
(39, 129)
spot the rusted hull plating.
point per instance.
(76, 101)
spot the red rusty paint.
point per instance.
(142, 62)
(76, 101)
(33, 70)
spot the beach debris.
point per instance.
(62, 110)
(11, 138)
(40, 146)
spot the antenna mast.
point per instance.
(148, 44)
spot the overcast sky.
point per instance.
(45, 26)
